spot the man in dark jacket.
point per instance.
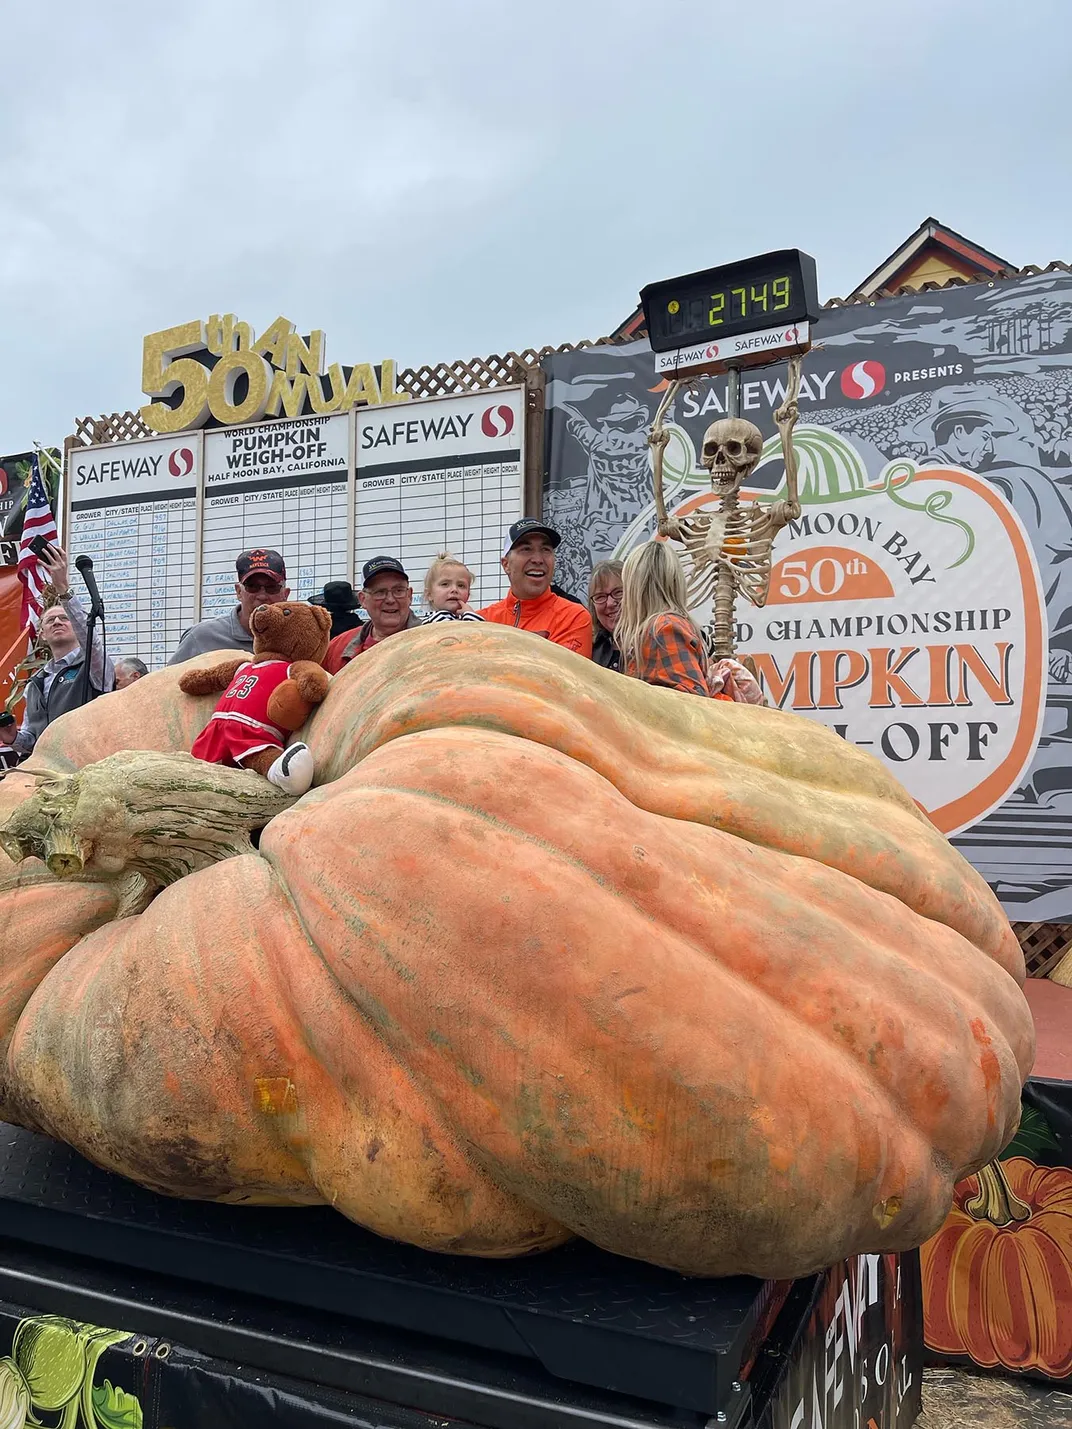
(57, 686)
(341, 602)
(9, 755)
(387, 596)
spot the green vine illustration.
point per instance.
(50, 1373)
(898, 475)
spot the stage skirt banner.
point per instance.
(851, 1358)
(921, 604)
(856, 1362)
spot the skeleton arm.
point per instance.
(658, 438)
(785, 419)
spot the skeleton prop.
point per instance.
(728, 551)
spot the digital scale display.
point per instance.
(776, 289)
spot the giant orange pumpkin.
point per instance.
(548, 952)
(997, 1278)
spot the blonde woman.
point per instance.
(660, 642)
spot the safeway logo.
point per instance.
(497, 421)
(863, 379)
(181, 462)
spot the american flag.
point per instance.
(38, 521)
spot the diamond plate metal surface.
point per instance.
(581, 1312)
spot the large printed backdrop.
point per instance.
(922, 605)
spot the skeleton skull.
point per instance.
(731, 449)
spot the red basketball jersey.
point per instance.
(240, 725)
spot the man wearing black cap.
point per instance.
(262, 580)
(387, 596)
(528, 559)
(341, 602)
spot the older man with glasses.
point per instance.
(387, 596)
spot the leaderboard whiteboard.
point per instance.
(441, 475)
(163, 519)
(133, 509)
(284, 485)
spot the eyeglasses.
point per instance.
(397, 592)
(262, 587)
(609, 597)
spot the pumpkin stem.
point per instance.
(142, 819)
(995, 1201)
(64, 852)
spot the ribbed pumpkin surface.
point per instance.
(548, 952)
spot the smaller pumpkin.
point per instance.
(997, 1278)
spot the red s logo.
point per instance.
(181, 462)
(497, 421)
(863, 379)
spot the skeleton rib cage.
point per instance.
(728, 551)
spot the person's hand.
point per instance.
(55, 563)
(730, 677)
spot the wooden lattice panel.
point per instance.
(443, 379)
(109, 427)
(451, 377)
(1044, 945)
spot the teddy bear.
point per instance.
(265, 698)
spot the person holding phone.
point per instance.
(57, 686)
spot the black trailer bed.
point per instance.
(304, 1292)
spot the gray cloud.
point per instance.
(431, 181)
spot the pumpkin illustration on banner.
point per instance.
(51, 1371)
(547, 953)
(997, 1278)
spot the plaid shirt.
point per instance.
(671, 653)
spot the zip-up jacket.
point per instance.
(563, 622)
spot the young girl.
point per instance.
(446, 590)
(660, 642)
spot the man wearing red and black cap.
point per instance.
(262, 580)
(387, 596)
(528, 559)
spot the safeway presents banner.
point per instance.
(922, 603)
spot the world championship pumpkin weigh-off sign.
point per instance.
(921, 603)
(883, 620)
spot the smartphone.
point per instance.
(40, 547)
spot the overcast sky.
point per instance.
(437, 179)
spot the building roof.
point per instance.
(933, 250)
(934, 256)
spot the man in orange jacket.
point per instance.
(529, 560)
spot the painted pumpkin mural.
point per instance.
(547, 952)
(997, 1278)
